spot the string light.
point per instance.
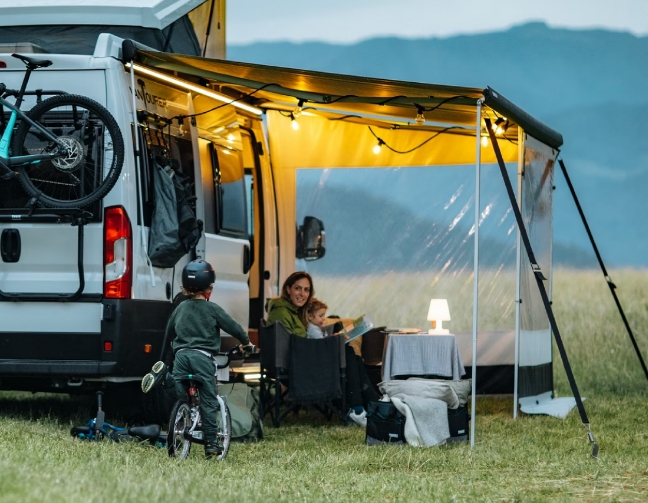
(381, 142)
(293, 122)
(497, 126)
(420, 118)
(484, 140)
(297, 111)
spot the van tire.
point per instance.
(70, 182)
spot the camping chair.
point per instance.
(313, 370)
(372, 350)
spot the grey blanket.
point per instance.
(425, 405)
(462, 388)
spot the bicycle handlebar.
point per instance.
(236, 350)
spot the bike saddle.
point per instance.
(33, 62)
(186, 380)
(148, 432)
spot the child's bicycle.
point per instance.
(185, 422)
(67, 151)
(98, 428)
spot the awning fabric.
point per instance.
(395, 102)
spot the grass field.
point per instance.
(531, 459)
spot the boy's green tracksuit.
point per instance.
(195, 325)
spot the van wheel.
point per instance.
(90, 163)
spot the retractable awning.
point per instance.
(351, 98)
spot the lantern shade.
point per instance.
(439, 310)
(438, 313)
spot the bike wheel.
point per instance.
(94, 157)
(180, 420)
(224, 428)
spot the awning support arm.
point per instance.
(537, 273)
(611, 285)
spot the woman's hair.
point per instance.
(315, 305)
(290, 281)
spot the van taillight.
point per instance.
(3, 64)
(118, 254)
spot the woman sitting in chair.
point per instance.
(291, 310)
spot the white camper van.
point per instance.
(85, 306)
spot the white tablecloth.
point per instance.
(420, 355)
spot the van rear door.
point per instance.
(40, 255)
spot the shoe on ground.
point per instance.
(212, 450)
(359, 419)
(154, 377)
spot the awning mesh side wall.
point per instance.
(537, 206)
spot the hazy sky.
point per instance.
(347, 21)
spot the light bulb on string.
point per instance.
(497, 126)
(420, 118)
(297, 111)
(293, 122)
(377, 147)
(484, 140)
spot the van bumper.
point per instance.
(129, 343)
(57, 368)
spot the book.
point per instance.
(403, 330)
(358, 327)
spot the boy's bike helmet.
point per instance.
(197, 276)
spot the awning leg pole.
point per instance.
(473, 414)
(518, 286)
(602, 265)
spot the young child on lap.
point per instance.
(316, 312)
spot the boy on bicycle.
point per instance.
(194, 329)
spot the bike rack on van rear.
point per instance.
(75, 217)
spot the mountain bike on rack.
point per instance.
(185, 422)
(66, 152)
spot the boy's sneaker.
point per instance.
(212, 450)
(154, 377)
(359, 419)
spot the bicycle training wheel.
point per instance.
(224, 428)
(94, 157)
(179, 421)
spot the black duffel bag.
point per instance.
(385, 424)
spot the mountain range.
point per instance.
(590, 85)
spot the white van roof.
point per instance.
(145, 13)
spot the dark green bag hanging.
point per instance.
(385, 424)
(245, 411)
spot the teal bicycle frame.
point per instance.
(6, 159)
